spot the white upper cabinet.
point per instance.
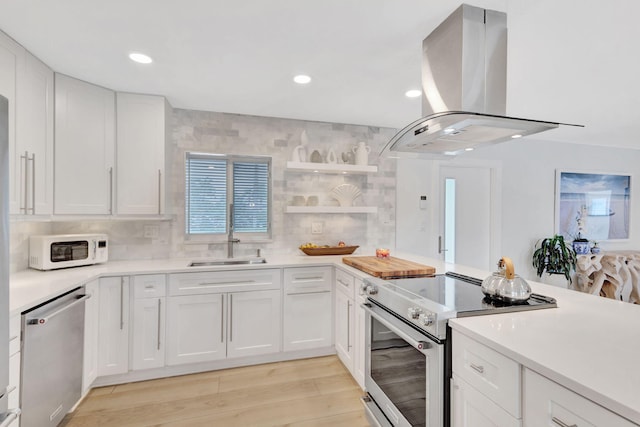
(141, 136)
(34, 137)
(84, 148)
(11, 58)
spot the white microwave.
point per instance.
(49, 252)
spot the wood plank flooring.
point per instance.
(301, 393)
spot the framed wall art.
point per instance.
(593, 206)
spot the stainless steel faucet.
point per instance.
(230, 239)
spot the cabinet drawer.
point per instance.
(345, 283)
(469, 407)
(212, 282)
(14, 334)
(307, 279)
(492, 374)
(14, 381)
(548, 403)
(149, 286)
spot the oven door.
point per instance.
(404, 372)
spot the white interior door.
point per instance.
(466, 232)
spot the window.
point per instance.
(220, 185)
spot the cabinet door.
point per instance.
(34, 139)
(344, 329)
(307, 320)
(254, 323)
(359, 353)
(470, 408)
(91, 331)
(148, 329)
(11, 59)
(140, 154)
(196, 328)
(547, 403)
(113, 334)
(84, 148)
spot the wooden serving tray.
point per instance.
(336, 250)
(387, 268)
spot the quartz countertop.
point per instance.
(588, 344)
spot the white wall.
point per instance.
(528, 169)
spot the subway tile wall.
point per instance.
(223, 133)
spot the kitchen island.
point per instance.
(587, 344)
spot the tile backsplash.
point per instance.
(224, 133)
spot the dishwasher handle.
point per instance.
(44, 319)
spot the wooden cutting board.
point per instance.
(387, 268)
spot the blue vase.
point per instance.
(581, 248)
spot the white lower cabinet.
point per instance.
(196, 329)
(91, 331)
(359, 334)
(547, 403)
(254, 323)
(148, 323)
(345, 319)
(14, 366)
(205, 323)
(113, 326)
(486, 386)
(307, 310)
(470, 408)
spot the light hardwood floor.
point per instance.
(301, 393)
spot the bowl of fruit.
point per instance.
(340, 249)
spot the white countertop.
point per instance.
(588, 344)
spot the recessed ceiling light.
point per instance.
(449, 131)
(302, 79)
(413, 93)
(140, 58)
(516, 136)
(468, 149)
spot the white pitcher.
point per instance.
(362, 153)
(299, 154)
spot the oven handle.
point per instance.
(382, 317)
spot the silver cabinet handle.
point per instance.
(477, 368)
(308, 293)
(121, 303)
(562, 423)
(12, 415)
(343, 283)
(23, 173)
(308, 278)
(440, 248)
(159, 320)
(33, 183)
(159, 191)
(230, 317)
(222, 318)
(111, 190)
(44, 319)
(348, 325)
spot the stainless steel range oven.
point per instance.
(408, 353)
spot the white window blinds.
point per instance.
(214, 182)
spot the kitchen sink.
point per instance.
(228, 261)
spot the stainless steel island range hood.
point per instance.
(464, 82)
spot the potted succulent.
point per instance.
(554, 256)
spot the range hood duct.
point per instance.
(464, 88)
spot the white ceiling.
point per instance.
(569, 60)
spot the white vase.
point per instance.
(362, 153)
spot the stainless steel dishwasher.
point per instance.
(52, 353)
